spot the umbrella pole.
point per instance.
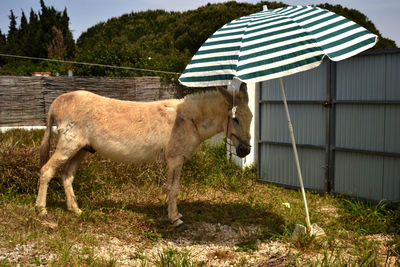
(295, 154)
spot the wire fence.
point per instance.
(89, 64)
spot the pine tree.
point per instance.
(12, 28)
(32, 44)
(2, 41)
(24, 23)
(22, 35)
(44, 35)
(67, 34)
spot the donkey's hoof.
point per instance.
(42, 211)
(180, 216)
(178, 223)
(78, 212)
(75, 210)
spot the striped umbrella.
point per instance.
(274, 43)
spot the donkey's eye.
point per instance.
(236, 121)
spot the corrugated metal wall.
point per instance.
(305, 92)
(346, 119)
(368, 127)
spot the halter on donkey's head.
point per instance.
(235, 87)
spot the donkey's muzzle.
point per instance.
(242, 150)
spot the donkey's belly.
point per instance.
(130, 152)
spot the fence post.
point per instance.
(330, 127)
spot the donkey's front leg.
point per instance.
(174, 173)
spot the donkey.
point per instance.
(137, 132)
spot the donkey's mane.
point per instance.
(203, 96)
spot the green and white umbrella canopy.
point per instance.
(274, 43)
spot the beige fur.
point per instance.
(137, 132)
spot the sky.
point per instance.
(86, 13)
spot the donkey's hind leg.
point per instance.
(174, 173)
(64, 151)
(68, 177)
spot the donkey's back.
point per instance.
(120, 130)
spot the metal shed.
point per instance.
(346, 118)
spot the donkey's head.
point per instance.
(237, 127)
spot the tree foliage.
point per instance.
(45, 35)
(154, 39)
(170, 39)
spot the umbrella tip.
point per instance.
(265, 8)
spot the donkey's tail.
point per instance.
(45, 145)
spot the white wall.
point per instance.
(251, 158)
(5, 129)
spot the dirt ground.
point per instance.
(209, 244)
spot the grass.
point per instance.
(173, 257)
(125, 216)
(247, 246)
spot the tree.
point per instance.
(67, 35)
(12, 28)
(56, 48)
(23, 26)
(2, 40)
(32, 44)
(22, 35)
(47, 34)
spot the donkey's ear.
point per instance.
(228, 97)
(243, 91)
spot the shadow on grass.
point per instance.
(233, 214)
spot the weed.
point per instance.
(271, 234)
(363, 217)
(333, 259)
(139, 255)
(305, 241)
(4, 262)
(242, 262)
(395, 244)
(173, 257)
(69, 257)
(248, 246)
(65, 256)
(368, 259)
(38, 261)
(154, 237)
(366, 251)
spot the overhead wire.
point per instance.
(89, 64)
